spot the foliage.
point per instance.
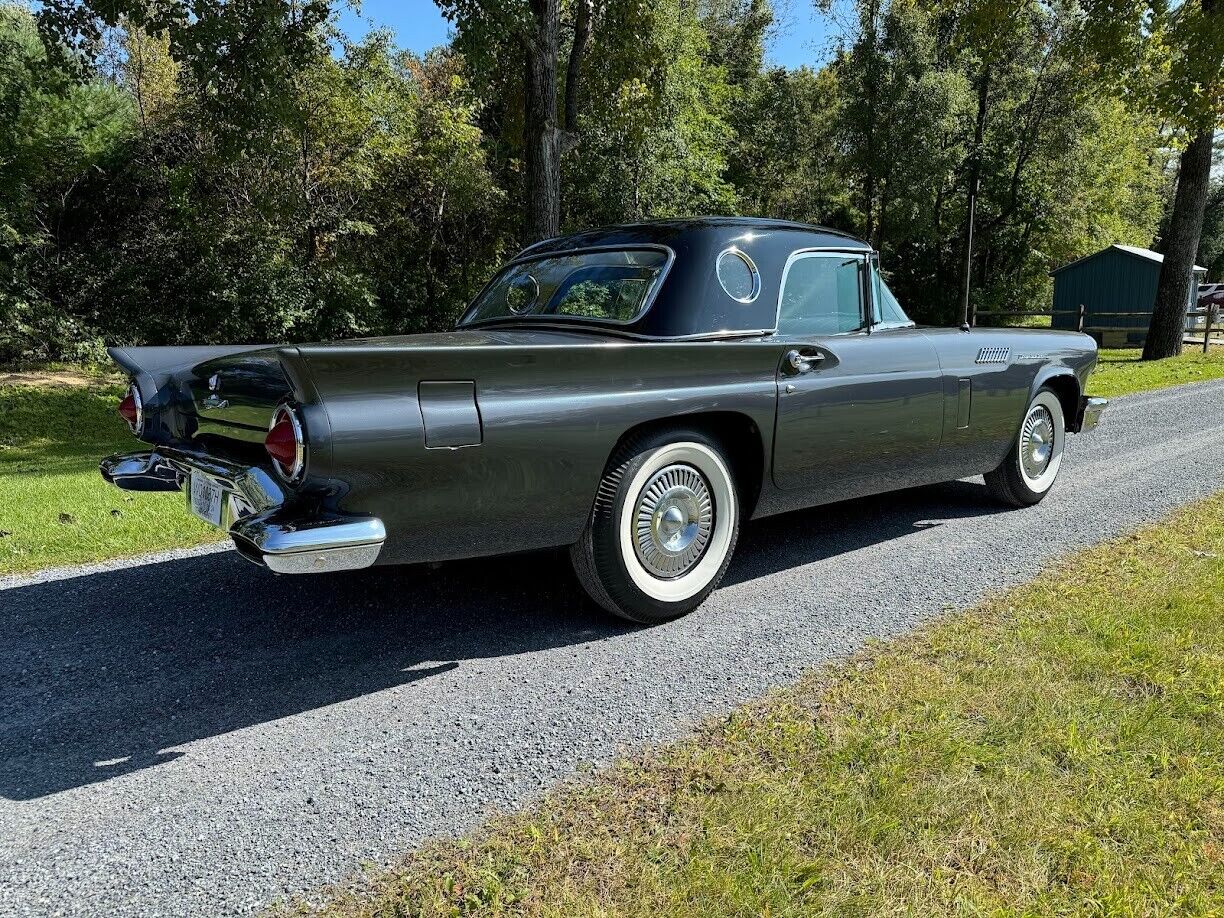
(55, 131)
(654, 129)
(1211, 245)
(166, 233)
(192, 171)
(785, 160)
(1064, 165)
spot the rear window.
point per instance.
(607, 286)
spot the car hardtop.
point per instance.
(690, 302)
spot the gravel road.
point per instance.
(195, 736)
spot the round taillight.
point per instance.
(285, 443)
(131, 409)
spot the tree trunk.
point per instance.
(1165, 334)
(573, 70)
(541, 137)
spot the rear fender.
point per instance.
(154, 371)
(316, 423)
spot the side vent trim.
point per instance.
(993, 355)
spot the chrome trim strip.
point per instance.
(634, 336)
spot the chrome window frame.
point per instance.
(866, 308)
(648, 301)
(752, 268)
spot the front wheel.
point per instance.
(663, 528)
(1032, 464)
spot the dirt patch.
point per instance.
(53, 378)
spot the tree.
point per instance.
(55, 134)
(242, 57)
(183, 226)
(1211, 244)
(655, 130)
(1198, 101)
(786, 160)
(199, 171)
(147, 71)
(1177, 51)
(533, 28)
(1058, 161)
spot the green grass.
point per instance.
(54, 507)
(1057, 751)
(1121, 372)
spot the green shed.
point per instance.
(1120, 278)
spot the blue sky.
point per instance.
(800, 36)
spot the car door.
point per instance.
(860, 404)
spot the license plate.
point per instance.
(206, 496)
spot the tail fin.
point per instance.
(157, 364)
(153, 370)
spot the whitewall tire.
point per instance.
(663, 528)
(1032, 464)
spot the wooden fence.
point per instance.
(1082, 325)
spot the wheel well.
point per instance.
(736, 433)
(1067, 388)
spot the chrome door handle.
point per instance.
(802, 363)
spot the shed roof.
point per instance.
(1134, 250)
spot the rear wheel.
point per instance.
(663, 528)
(1033, 462)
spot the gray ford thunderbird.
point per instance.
(633, 393)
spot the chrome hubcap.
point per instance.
(1036, 441)
(675, 516)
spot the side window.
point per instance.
(822, 294)
(888, 312)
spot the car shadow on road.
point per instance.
(108, 673)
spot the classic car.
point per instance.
(633, 393)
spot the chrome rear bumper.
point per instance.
(264, 530)
(1091, 409)
(293, 545)
(140, 472)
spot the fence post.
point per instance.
(1207, 328)
(1079, 325)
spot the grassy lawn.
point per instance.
(1058, 750)
(1121, 372)
(54, 507)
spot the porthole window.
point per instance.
(521, 294)
(738, 276)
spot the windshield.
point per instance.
(608, 286)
